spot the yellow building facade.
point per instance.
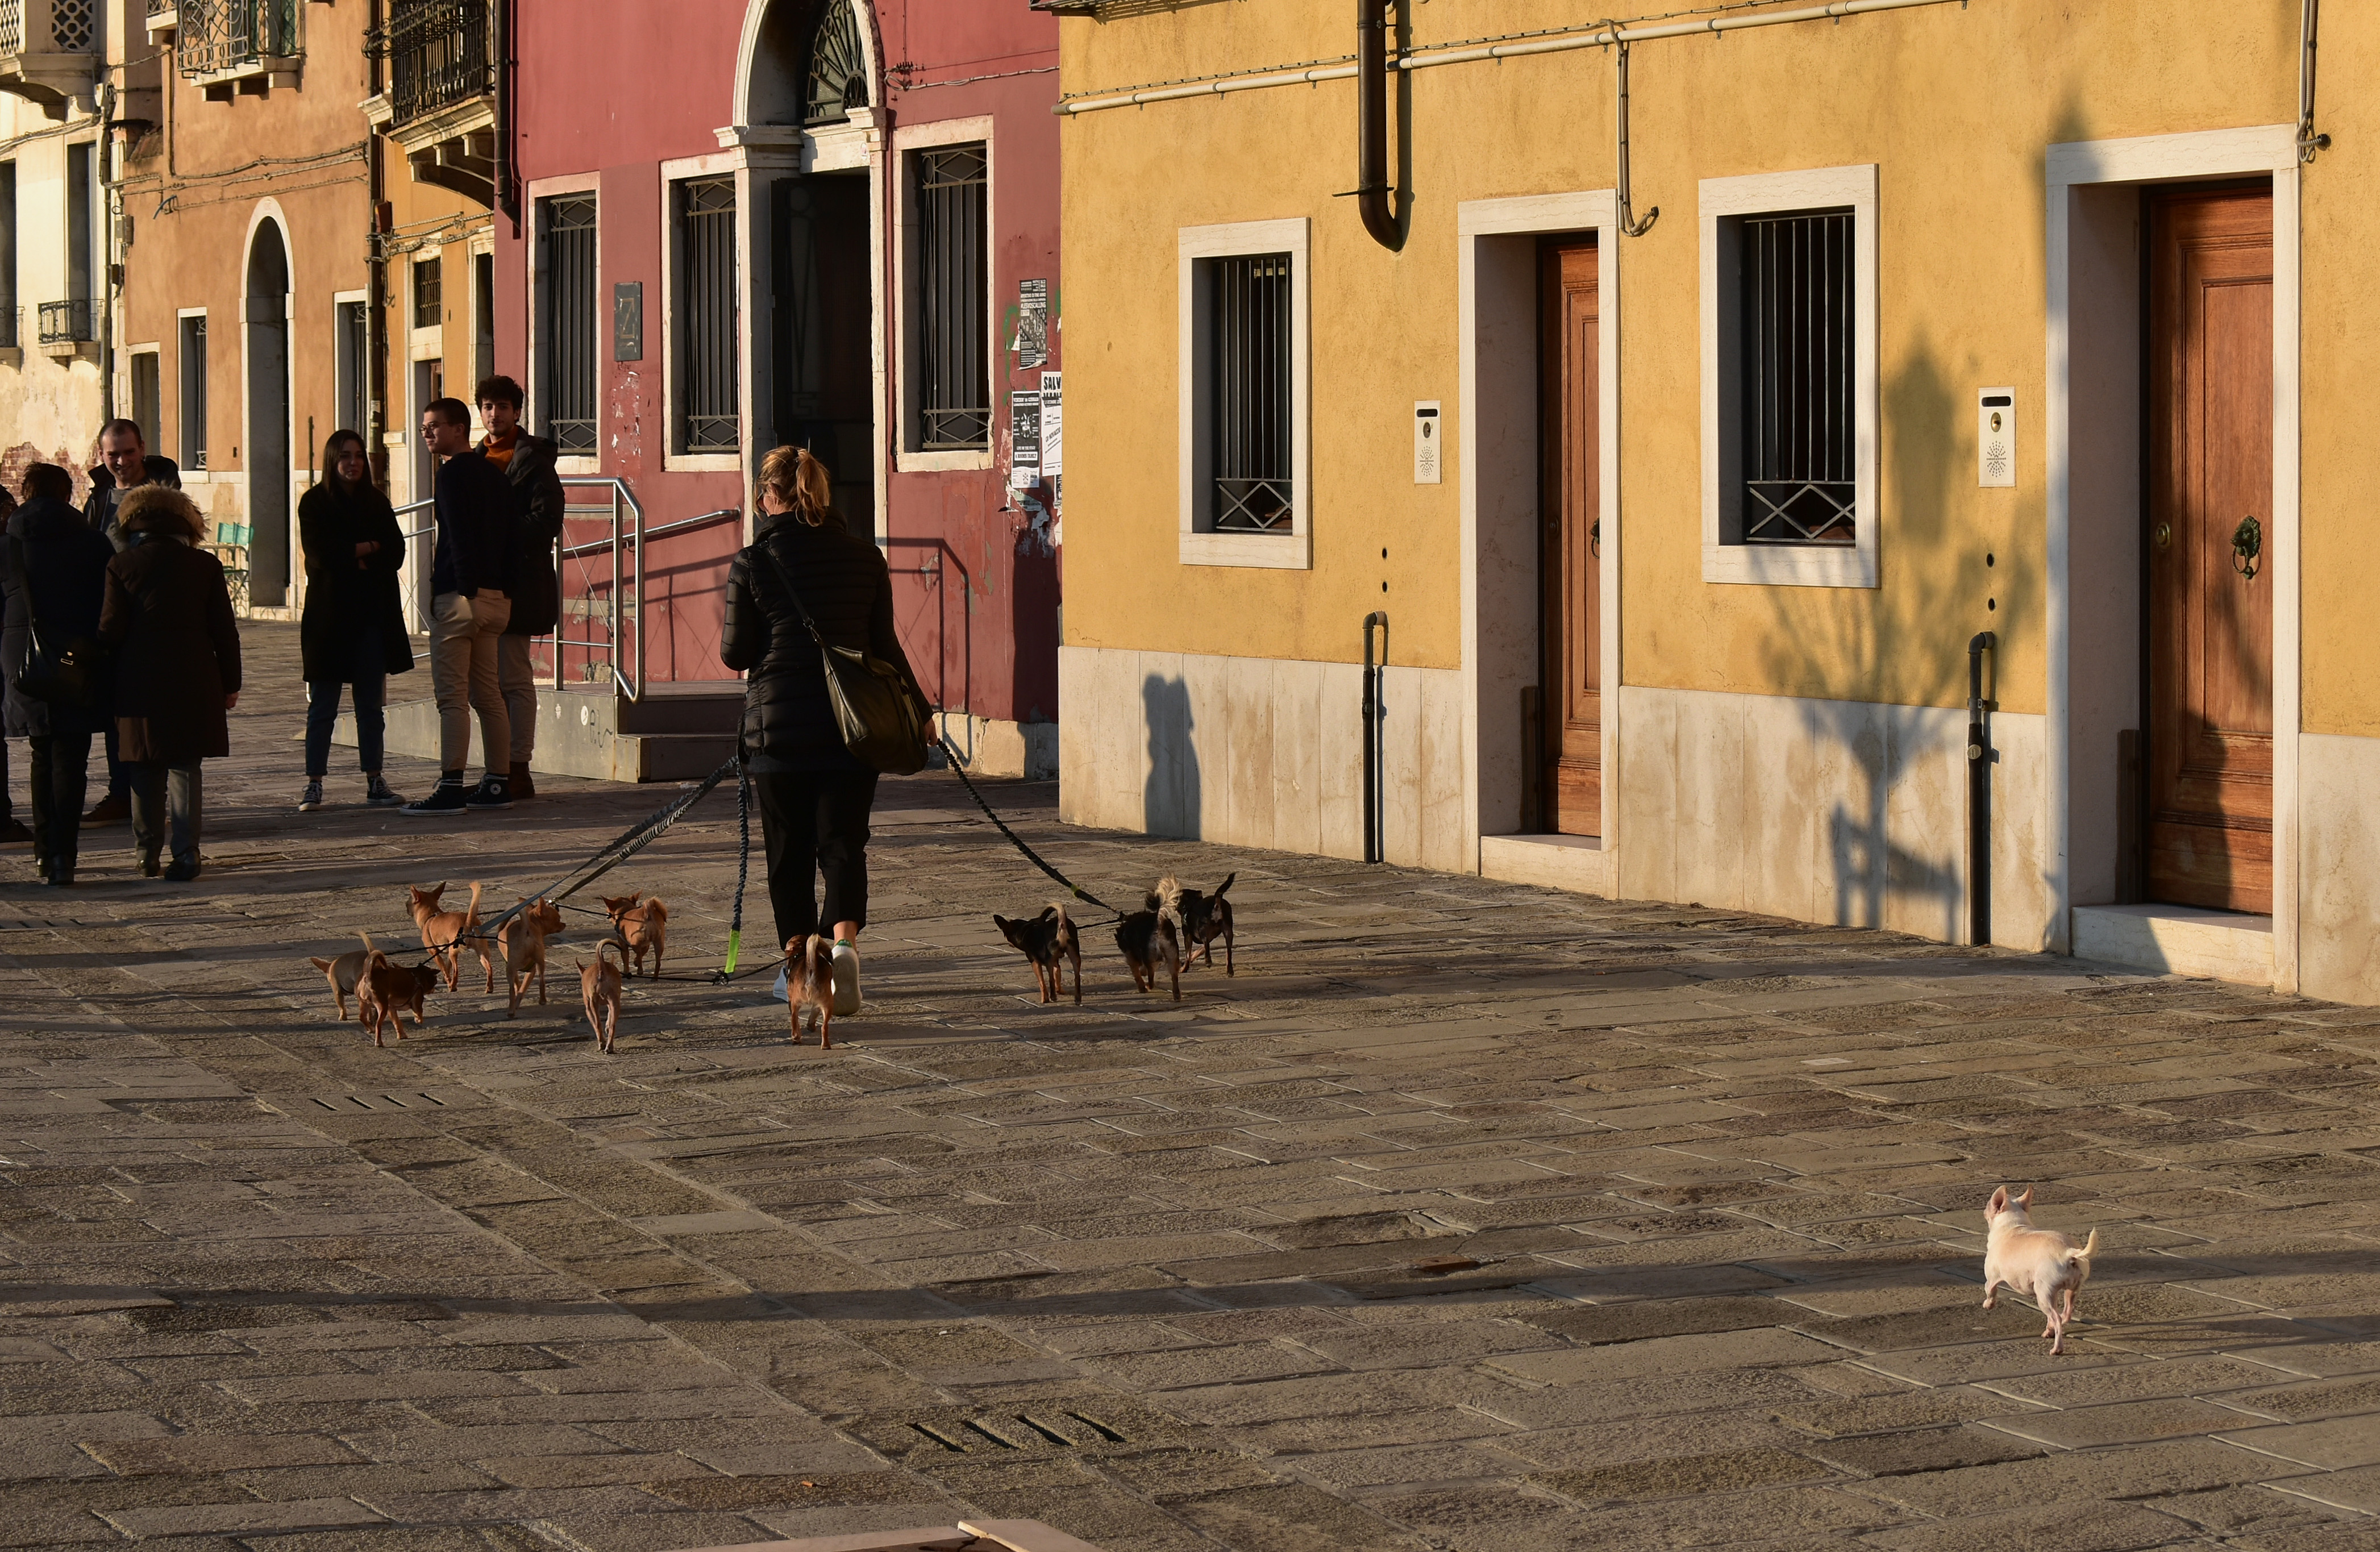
(2004, 317)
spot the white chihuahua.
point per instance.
(2039, 1262)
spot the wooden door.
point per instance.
(1569, 564)
(2210, 626)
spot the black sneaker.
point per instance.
(447, 797)
(491, 792)
(376, 792)
(181, 871)
(311, 798)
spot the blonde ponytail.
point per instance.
(799, 482)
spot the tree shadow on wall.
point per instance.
(1171, 793)
(1884, 659)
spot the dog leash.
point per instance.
(1077, 891)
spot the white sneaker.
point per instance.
(847, 980)
(779, 994)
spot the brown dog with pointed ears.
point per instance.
(599, 987)
(642, 927)
(444, 932)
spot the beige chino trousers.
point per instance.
(466, 636)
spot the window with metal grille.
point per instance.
(953, 355)
(428, 291)
(354, 363)
(1249, 450)
(708, 382)
(194, 393)
(1795, 378)
(565, 322)
(81, 185)
(838, 64)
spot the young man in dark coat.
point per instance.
(124, 465)
(167, 618)
(61, 584)
(528, 462)
(471, 586)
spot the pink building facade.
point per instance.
(829, 223)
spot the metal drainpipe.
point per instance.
(1981, 757)
(103, 102)
(1372, 122)
(376, 272)
(2309, 29)
(1629, 224)
(506, 204)
(1374, 672)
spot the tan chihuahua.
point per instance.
(2041, 1262)
(444, 932)
(345, 971)
(642, 927)
(385, 988)
(599, 987)
(809, 984)
(521, 941)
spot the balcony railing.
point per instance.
(439, 54)
(217, 37)
(71, 322)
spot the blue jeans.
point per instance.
(323, 715)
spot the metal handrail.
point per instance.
(577, 549)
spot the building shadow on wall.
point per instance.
(1876, 668)
(1170, 795)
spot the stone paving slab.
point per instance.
(1465, 1216)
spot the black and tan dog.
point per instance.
(1047, 941)
(1204, 917)
(386, 989)
(1152, 936)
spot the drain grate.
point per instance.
(343, 1104)
(1059, 1430)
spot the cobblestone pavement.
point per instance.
(1465, 1216)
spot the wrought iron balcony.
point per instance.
(440, 53)
(70, 322)
(217, 39)
(49, 51)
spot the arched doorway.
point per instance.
(814, 307)
(266, 455)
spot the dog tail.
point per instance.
(655, 912)
(370, 947)
(471, 915)
(322, 964)
(2090, 1248)
(1169, 892)
(1224, 885)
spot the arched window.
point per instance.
(838, 64)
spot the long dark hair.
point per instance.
(331, 445)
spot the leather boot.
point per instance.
(522, 787)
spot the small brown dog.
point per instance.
(444, 932)
(809, 984)
(1204, 917)
(343, 972)
(1151, 937)
(2038, 1262)
(385, 988)
(598, 986)
(1047, 941)
(642, 927)
(521, 941)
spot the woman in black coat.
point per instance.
(814, 795)
(62, 583)
(167, 618)
(352, 631)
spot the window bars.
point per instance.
(566, 322)
(75, 322)
(194, 393)
(838, 65)
(439, 53)
(708, 384)
(428, 290)
(1799, 428)
(954, 358)
(1249, 445)
(218, 35)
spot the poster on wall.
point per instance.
(1024, 439)
(1032, 343)
(1053, 424)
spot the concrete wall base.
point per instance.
(1577, 863)
(2178, 940)
(990, 747)
(667, 737)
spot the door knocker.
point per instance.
(2163, 536)
(1594, 539)
(2247, 546)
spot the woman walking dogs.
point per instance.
(804, 584)
(353, 630)
(167, 618)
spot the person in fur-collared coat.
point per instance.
(167, 618)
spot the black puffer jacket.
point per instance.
(537, 589)
(788, 722)
(67, 579)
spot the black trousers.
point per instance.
(814, 822)
(59, 762)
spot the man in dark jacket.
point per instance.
(528, 462)
(124, 465)
(62, 583)
(471, 586)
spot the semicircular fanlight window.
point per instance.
(838, 65)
